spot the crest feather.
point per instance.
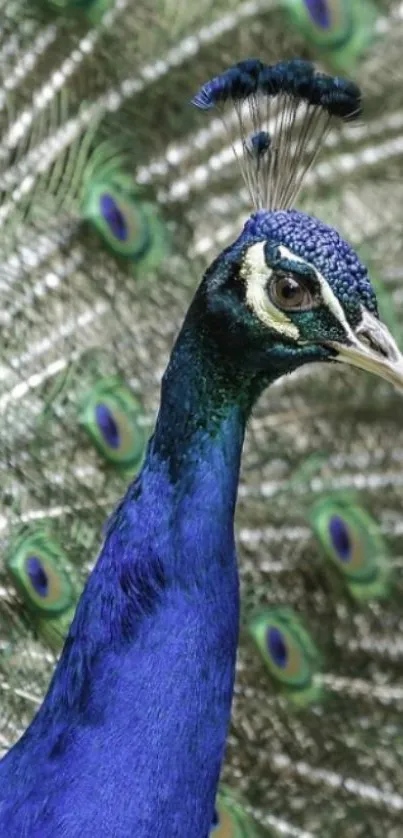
(277, 117)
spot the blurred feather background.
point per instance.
(114, 197)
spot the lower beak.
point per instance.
(371, 347)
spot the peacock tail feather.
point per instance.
(114, 196)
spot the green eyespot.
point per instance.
(112, 416)
(288, 652)
(130, 226)
(230, 819)
(35, 562)
(352, 541)
(342, 28)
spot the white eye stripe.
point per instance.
(256, 272)
(332, 303)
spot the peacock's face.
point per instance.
(310, 297)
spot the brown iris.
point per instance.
(289, 293)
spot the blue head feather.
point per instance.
(258, 144)
(296, 78)
(293, 77)
(236, 83)
(321, 246)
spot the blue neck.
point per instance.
(192, 466)
(204, 407)
(144, 685)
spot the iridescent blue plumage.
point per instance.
(295, 78)
(131, 735)
(236, 83)
(146, 642)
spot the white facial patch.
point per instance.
(256, 272)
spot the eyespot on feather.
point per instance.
(111, 202)
(341, 29)
(36, 565)
(112, 416)
(352, 542)
(288, 652)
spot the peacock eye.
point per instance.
(129, 225)
(112, 416)
(289, 293)
(289, 653)
(36, 564)
(352, 540)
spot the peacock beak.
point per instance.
(371, 347)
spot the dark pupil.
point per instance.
(107, 425)
(319, 12)
(277, 647)
(289, 289)
(114, 217)
(37, 575)
(340, 538)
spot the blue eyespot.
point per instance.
(340, 538)
(352, 541)
(113, 417)
(36, 564)
(277, 647)
(288, 652)
(112, 202)
(113, 217)
(107, 425)
(319, 12)
(37, 575)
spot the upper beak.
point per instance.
(371, 347)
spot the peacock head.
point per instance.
(290, 290)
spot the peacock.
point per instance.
(116, 195)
